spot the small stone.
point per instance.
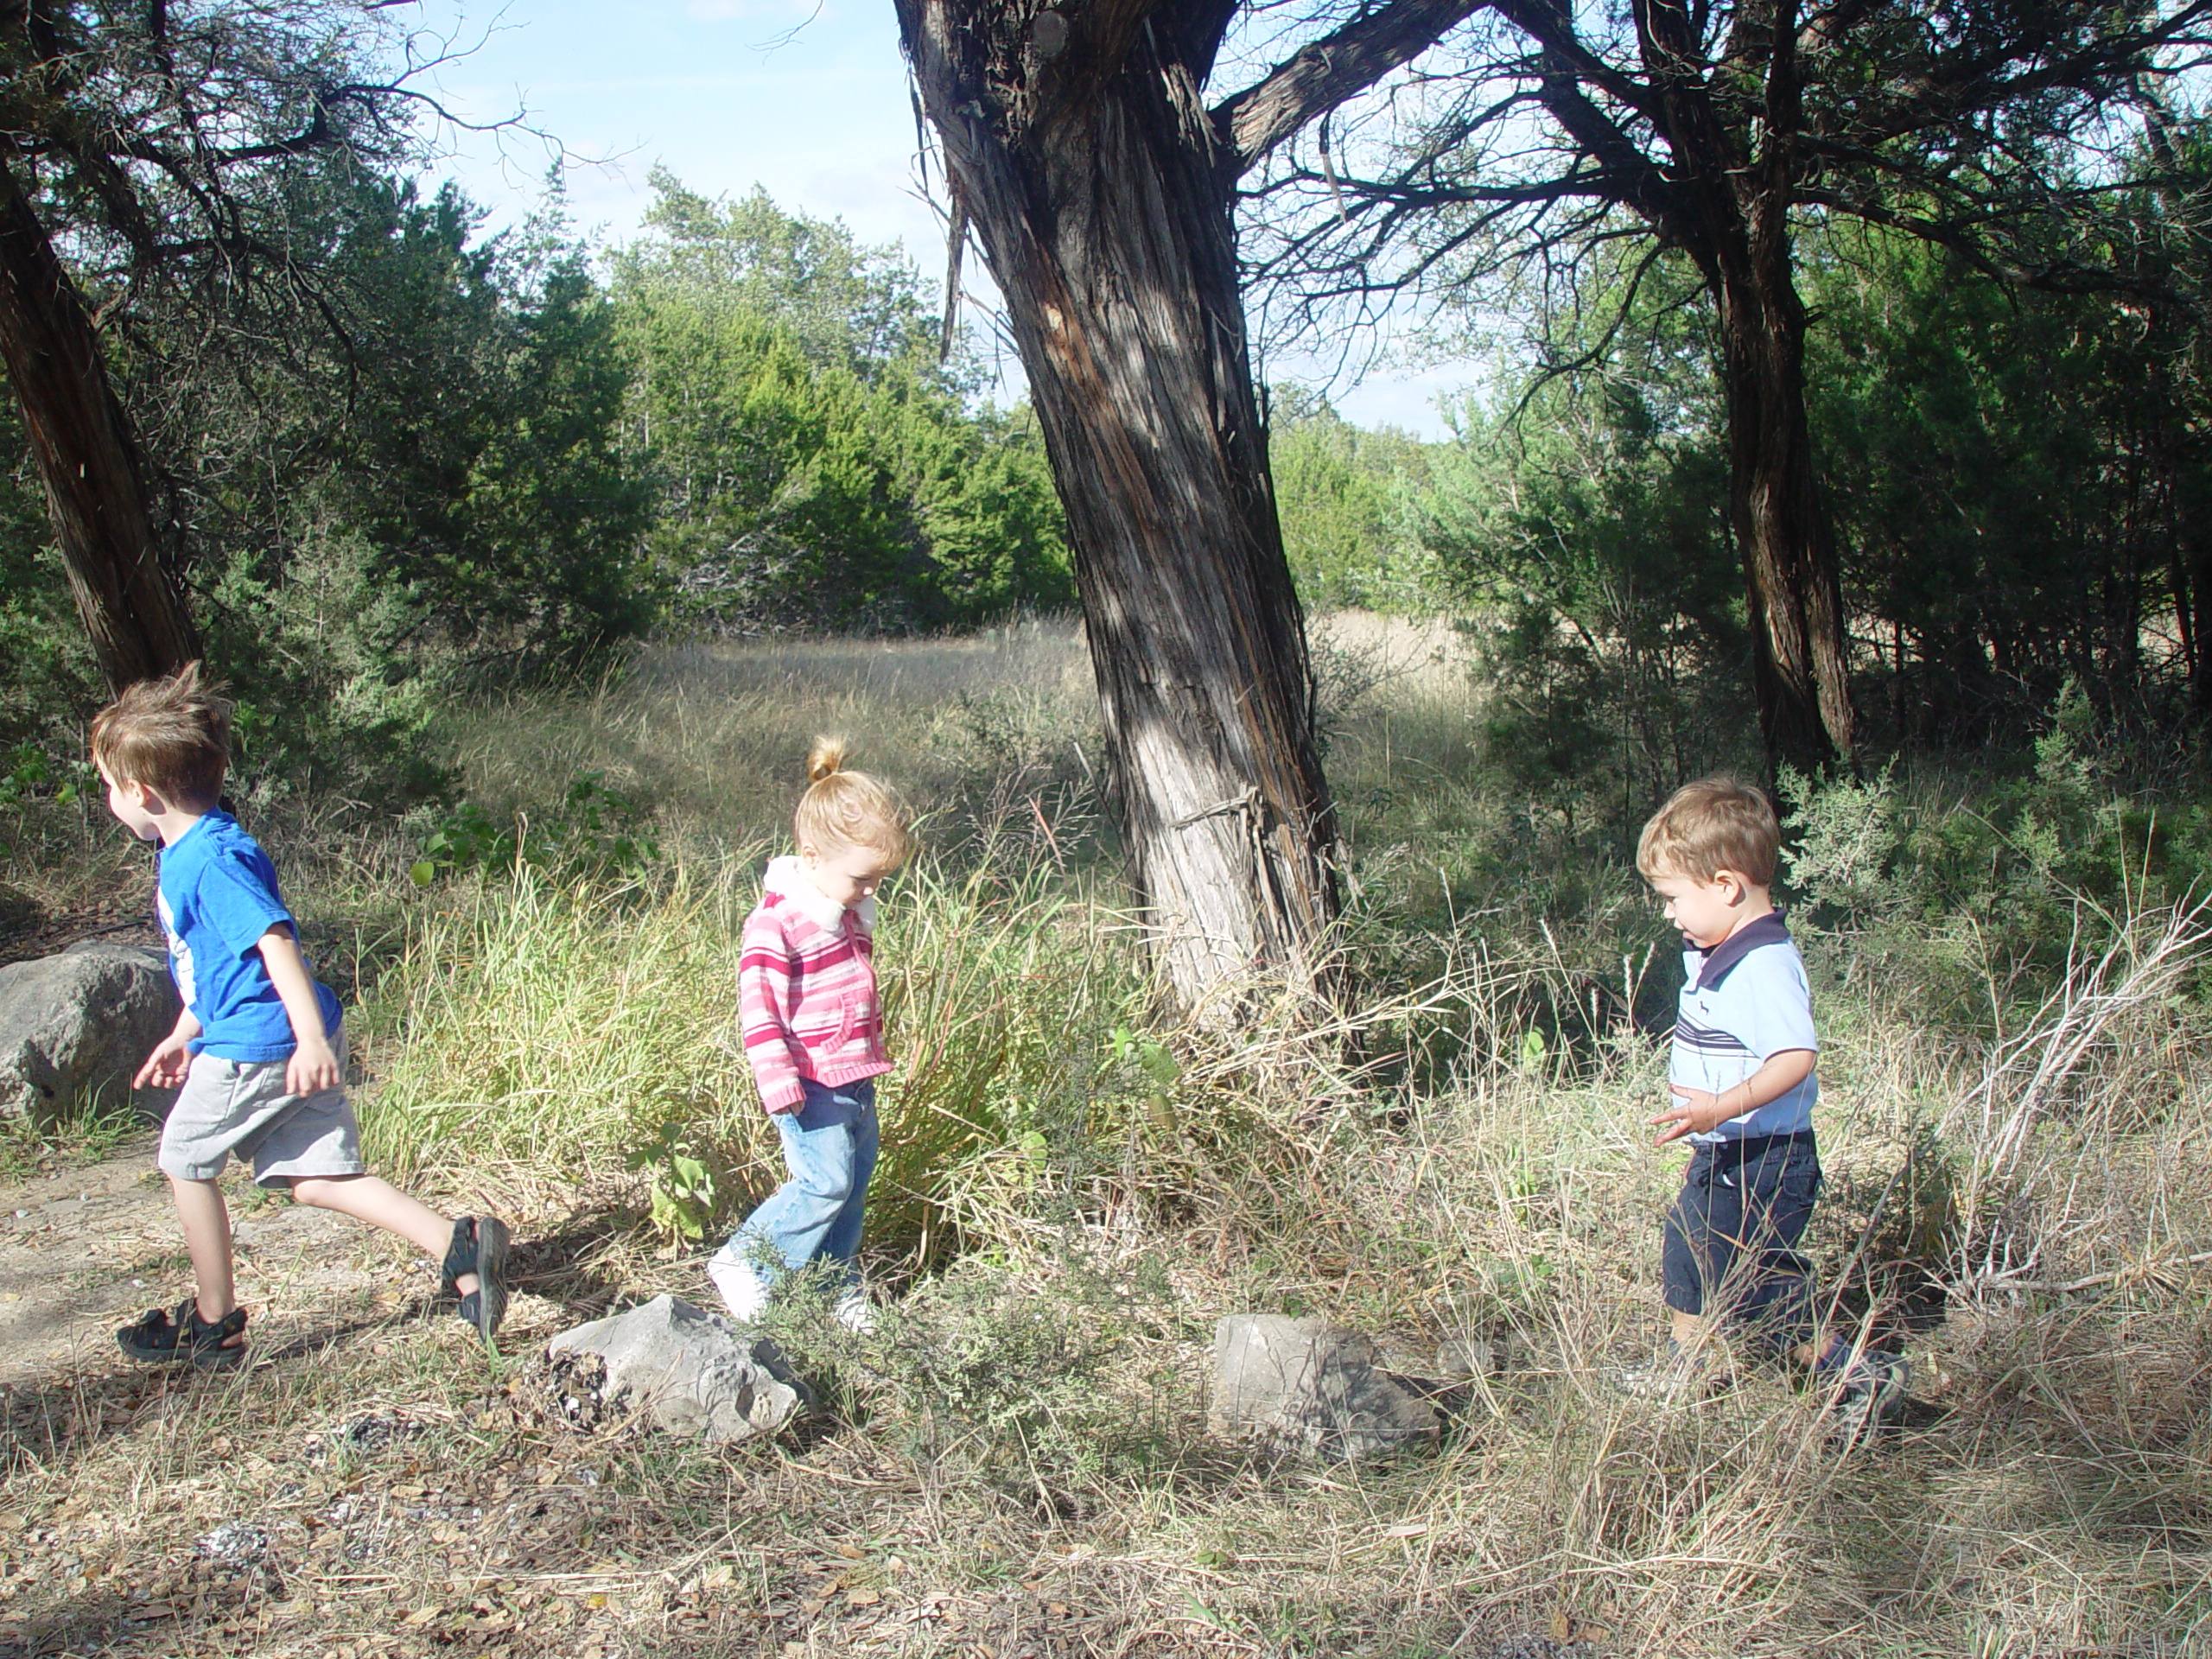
(1466, 1356)
(1311, 1386)
(235, 1543)
(691, 1373)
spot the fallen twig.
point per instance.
(2139, 1273)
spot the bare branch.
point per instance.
(1327, 72)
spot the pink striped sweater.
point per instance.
(806, 990)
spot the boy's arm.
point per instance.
(313, 1065)
(166, 1066)
(1700, 1111)
(764, 984)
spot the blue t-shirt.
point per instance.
(1744, 1001)
(217, 897)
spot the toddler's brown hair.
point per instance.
(1716, 824)
(172, 735)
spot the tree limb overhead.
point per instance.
(1320, 76)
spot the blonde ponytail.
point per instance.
(850, 808)
(827, 756)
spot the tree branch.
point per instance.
(1325, 73)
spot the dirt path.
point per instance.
(85, 1249)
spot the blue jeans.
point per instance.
(829, 1147)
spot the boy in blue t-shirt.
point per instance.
(260, 1048)
(1743, 1078)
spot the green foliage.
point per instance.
(1339, 492)
(1583, 520)
(1157, 1072)
(46, 673)
(1931, 893)
(681, 1190)
(331, 696)
(815, 466)
(430, 500)
(845, 304)
(478, 458)
(32, 773)
(598, 832)
(2012, 481)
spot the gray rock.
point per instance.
(689, 1371)
(1308, 1385)
(1467, 1356)
(79, 1025)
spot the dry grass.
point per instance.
(716, 735)
(1017, 1464)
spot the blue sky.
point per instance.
(809, 102)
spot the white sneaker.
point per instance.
(854, 1313)
(744, 1292)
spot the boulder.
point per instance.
(1310, 1386)
(77, 1026)
(690, 1372)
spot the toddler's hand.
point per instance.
(312, 1068)
(167, 1066)
(1698, 1111)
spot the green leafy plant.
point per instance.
(32, 772)
(684, 1189)
(598, 830)
(1158, 1070)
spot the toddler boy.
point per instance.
(1742, 1075)
(259, 1049)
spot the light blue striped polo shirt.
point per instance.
(1744, 1001)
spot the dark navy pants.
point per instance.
(1730, 1246)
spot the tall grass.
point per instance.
(715, 736)
(563, 1028)
(557, 1027)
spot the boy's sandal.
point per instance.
(479, 1246)
(183, 1338)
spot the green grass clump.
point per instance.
(567, 1027)
(554, 1026)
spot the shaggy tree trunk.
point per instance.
(82, 439)
(1727, 205)
(1101, 193)
(1783, 533)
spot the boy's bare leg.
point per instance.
(207, 1237)
(378, 1202)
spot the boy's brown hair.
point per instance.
(173, 736)
(1715, 824)
(850, 808)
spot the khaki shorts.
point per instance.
(240, 1106)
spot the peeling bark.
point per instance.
(87, 458)
(1100, 189)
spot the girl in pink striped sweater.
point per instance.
(814, 1033)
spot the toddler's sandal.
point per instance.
(479, 1246)
(159, 1337)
